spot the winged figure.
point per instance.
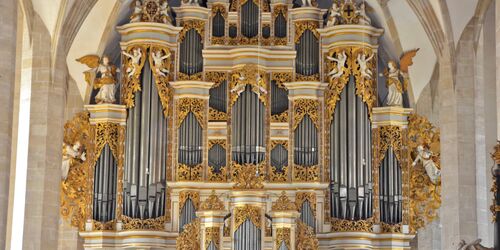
(394, 85)
(102, 75)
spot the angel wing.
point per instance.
(92, 61)
(406, 60)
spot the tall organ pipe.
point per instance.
(146, 147)
(390, 189)
(104, 200)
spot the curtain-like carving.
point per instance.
(280, 27)
(217, 157)
(307, 214)
(307, 60)
(249, 21)
(190, 57)
(188, 214)
(247, 132)
(218, 25)
(247, 236)
(145, 154)
(279, 99)
(218, 97)
(105, 186)
(350, 157)
(190, 141)
(390, 185)
(306, 143)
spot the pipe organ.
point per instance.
(248, 125)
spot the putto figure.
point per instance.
(337, 71)
(334, 17)
(159, 62)
(366, 73)
(135, 61)
(71, 154)
(104, 74)
(137, 12)
(425, 156)
(363, 18)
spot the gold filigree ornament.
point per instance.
(212, 203)
(132, 69)
(306, 173)
(305, 239)
(212, 235)
(336, 84)
(390, 136)
(160, 60)
(340, 225)
(496, 159)
(249, 74)
(74, 189)
(219, 175)
(301, 197)
(216, 9)
(189, 239)
(247, 212)
(283, 236)
(425, 197)
(364, 74)
(189, 173)
(248, 176)
(193, 105)
(302, 26)
(303, 107)
(280, 9)
(283, 203)
(281, 117)
(197, 25)
(194, 196)
(143, 224)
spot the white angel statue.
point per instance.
(135, 61)
(425, 156)
(240, 85)
(394, 86)
(104, 74)
(363, 65)
(158, 63)
(338, 71)
(335, 16)
(137, 13)
(164, 16)
(70, 155)
(364, 19)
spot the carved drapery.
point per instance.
(185, 195)
(282, 235)
(252, 213)
(425, 197)
(251, 75)
(212, 235)
(221, 174)
(189, 239)
(194, 105)
(301, 197)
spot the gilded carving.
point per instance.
(134, 58)
(391, 228)
(100, 226)
(305, 239)
(494, 188)
(340, 225)
(189, 173)
(185, 77)
(185, 195)
(306, 173)
(283, 203)
(280, 78)
(212, 235)
(74, 189)
(221, 174)
(212, 203)
(197, 25)
(248, 176)
(283, 235)
(252, 213)
(301, 197)
(277, 10)
(140, 224)
(301, 26)
(425, 196)
(390, 136)
(219, 8)
(217, 77)
(303, 107)
(281, 117)
(160, 60)
(251, 75)
(189, 239)
(276, 175)
(194, 105)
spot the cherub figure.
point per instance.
(425, 156)
(366, 73)
(364, 19)
(338, 71)
(137, 13)
(164, 16)
(334, 17)
(261, 84)
(239, 78)
(71, 154)
(135, 61)
(158, 62)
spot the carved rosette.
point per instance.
(189, 239)
(212, 203)
(75, 190)
(252, 213)
(185, 195)
(301, 197)
(425, 197)
(221, 174)
(283, 203)
(305, 238)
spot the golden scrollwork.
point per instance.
(391, 228)
(149, 224)
(281, 117)
(217, 77)
(276, 175)
(247, 212)
(186, 77)
(306, 173)
(248, 176)
(280, 9)
(187, 25)
(303, 107)
(212, 203)
(189, 239)
(221, 174)
(132, 83)
(301, 197)
(161, 72)
(283, 203)
(494, 187)
(189, 173)
(281, 77)
(365, 85)
(425, 197)
(216, 9)
(216, 115)
(75, 190)
(194, 105)
(340, 225)
(100, 226)
(212, 235)
(185, 195)
(390, 136)
(249, 74)
(283, 235)
(496, 153)
(302, 26)
(305, 238)
(306, 78)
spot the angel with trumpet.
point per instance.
(395, 87)
(104, 77)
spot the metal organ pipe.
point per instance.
(390, 189)
(104, 204)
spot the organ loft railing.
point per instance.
(278, 110)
